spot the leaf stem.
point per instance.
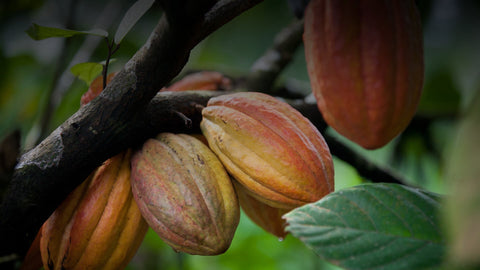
(112, 48)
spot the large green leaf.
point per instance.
(134, 13)
(372, 226)
(87, 72)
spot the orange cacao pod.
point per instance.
(95, 88)
(365, 63)
(270, 148)
(267, 217)
(203, 80)
(99, 225)
(33, 258)
(185, 194)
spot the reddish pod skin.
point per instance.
(203, 80)
(99, 225)
(185, 194)
(270, 148)
(365, 63)
(266, 217)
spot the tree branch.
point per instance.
(107, 125)
(267, 68)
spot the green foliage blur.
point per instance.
(29, 82)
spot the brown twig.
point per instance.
(268, 67)
(365, 168)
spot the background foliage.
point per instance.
(29, 83)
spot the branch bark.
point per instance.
(108, 124)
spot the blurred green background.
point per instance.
(34, 77)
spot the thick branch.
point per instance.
(266, 69)
(104, 127)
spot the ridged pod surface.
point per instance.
(267, 217)
(365, 63)
(99, 225)
(33, 258)
(185, 194)
(269, 147)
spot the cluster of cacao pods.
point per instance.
(260, 154)
(256, 153)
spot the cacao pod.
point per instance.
(365, 63)
(269, 147)
(267, 217)
(185, 194)
(99, 225)
(95, 88)
(203, 80)
(33, 258)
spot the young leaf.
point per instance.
(38, 32)
(87, 72)
(372, 226)
(134, 13)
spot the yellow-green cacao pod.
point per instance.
(266, 217)
(99, 225)
(365, 63)
(269, 147)
(185, 194)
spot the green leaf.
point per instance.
(134, 13)
(372, 226)
(38, 32)
(87, 72)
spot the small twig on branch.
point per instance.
(184, 118)
(112, 48)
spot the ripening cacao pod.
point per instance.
(33, 258)
(185, 194)
(365, 63)
(269, 147)
(267, 217)
(99, 225)
(203, 80)
(95, 88)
